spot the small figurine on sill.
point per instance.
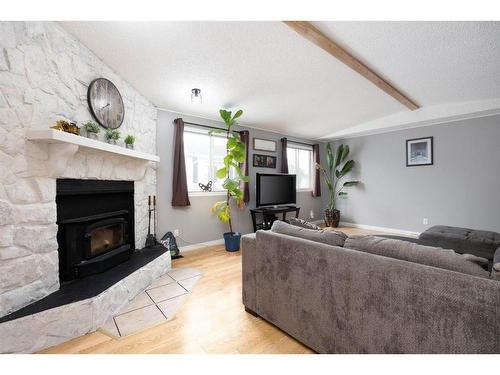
(207, 187)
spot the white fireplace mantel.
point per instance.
(53, 136)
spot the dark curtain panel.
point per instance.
(245, 138)
(316, 192)
(284, 158)
(179, 179)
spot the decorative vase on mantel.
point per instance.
(129, 146)
(332, 217)
(112, 141)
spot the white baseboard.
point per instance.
(374, 228)
(380, 229)
(201, 245)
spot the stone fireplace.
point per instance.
(71, 209)
(95, 221)
(44, 74)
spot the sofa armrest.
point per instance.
(248, 250)
(495, 270)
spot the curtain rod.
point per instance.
(208, 126)
(298, 143)
(235, 131)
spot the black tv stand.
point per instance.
(264, 217)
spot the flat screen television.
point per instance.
(275, 189)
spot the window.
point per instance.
(300, 160)
(204, 154)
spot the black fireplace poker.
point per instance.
(151, 237)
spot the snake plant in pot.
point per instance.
(337, 169)
(232, 175)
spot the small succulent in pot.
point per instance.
(129, 141)
(112, 135)
(92, 129)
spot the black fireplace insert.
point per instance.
(96, 226)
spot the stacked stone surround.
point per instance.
(44, 76)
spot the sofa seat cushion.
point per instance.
(326, 236)
(463, 240)
(412, 252)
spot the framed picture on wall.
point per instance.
(264, 161)
(419, 151)
(264, 145)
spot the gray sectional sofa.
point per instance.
(364, 294)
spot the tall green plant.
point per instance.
(337, 169)
(235, 154)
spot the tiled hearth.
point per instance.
(156, 305)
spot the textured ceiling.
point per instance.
(435, 62)
(286, 84)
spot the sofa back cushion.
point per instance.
(412, 252)
(326, 236)
(302, 223)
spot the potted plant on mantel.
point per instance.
(92, 129)
(112, 136)
(338, 168)
(235, 154)
(129, 141)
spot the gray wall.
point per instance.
(196, 223)
(462, 188)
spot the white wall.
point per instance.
(195, 222)
(44, 75)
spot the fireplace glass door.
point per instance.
(105, 236)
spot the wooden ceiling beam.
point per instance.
(311, 33)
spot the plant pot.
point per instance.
(91, 135)
(332, 218)
(129, 145)
(232, 241)
(112, 141)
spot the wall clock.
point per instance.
(106, 103)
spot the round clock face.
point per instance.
(106, 103)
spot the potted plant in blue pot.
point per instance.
(233, 176)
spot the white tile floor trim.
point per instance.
(55, 326)
(156, 305)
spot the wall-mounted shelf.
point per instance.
(53, 136)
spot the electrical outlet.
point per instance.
(425, 221)
(311, 214)
(176, 232)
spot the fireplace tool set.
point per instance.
(151, 238)
(168, 240)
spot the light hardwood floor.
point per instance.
(212, 320)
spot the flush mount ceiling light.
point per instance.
(195, 96)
